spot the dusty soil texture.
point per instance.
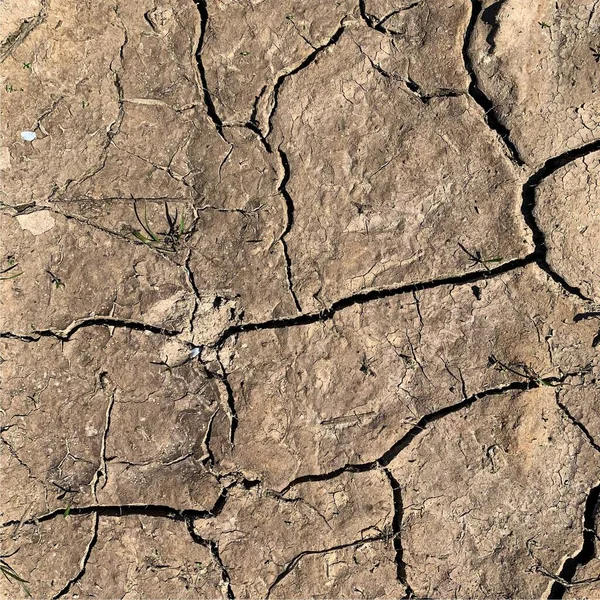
(300, 299)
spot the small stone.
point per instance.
(28, 136)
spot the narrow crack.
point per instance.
(528, 207)
(564, 580)
(208, 459)
(254, 114)
(192, 281)
(364, 297)
(396, 532)
(84, 221)
(412, 86)
(86, 556)
(46, 113)
(576, 422)
(177, 177)
(125, 199)
(385, 18)
(491, 118)
(15, 454)
(113, 129)
(254, 126)
(230, 406)
(305, 63)
(213, 548)
(15, 39)
(106, 320)
(300, 500)
(416, 430)
(377, 23)
(208, 101)
(101, 471)
(289, 204)
(291, 565)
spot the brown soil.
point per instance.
(299, 299)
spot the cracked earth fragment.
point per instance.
(299, 300)
(314, 521)
(536, 63)
(527, 469)
(565, 209)
(147, 450)
(316, 397)
(387, 201)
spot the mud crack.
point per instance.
(108, 321)
(292, 564)
(397, 531)
(208, 101)
(213, 548)
(312, 57)
(364, 297)
(564, 579)
(528, 207)
(148, 510)
(421, 426)
(101, 472)
(576, 422)
(475, 91)
(84, 560)
(289, 205)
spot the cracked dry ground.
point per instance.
(300, 299)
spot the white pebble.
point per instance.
(28, 136)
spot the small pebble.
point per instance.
(195, 352)
(28, 136)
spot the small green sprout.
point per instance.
(164, 241)
(9, 88)
(55, 280)
(27, 65)
(543, 25)
(11, 575)
(244, 53)
(67, 511)
(146, 226)
(12, 265)
(477, 258)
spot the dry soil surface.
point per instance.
(300, 299)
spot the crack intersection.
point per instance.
(421, 426)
